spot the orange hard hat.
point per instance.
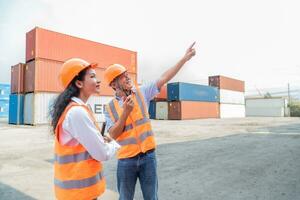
(71, 68)
(113, 71)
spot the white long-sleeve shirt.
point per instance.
(78, 127)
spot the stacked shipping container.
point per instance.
(17, 90)
(185, 101)
(192, 101)
(224, 98)
(45, 53)
(4, 100)
(232, 96)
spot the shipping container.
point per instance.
(16, 109)
(272, 107)
(4, 107)
(41, 75)
(4, 91)
(193, 110)
(42, 43)
(192, 92)
(232, 97)
(227, 83)
(37, 107)
(152, 109)
(265, 112)
(162, 96)
(232, 111)
(17, 78)
(269, 103)
(161, 110)
(97, 104)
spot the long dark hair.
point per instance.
(63, 99)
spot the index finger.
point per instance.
(192, 45)
(128, 98)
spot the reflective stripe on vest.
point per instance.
(72, 158)
(78, 184)
(132, 140)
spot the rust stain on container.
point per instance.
(17, 78)
(42, 43)
(223, 82)
(193, 110)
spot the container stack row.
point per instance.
(223, 98)
(35, 84)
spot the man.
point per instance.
(127, 121)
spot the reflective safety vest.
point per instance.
(76, 174)
(137, 136)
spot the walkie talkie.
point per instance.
(103, 128)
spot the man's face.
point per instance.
(123, 81)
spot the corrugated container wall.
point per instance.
(37, 107)
(4, 107)
(41, 75)
(17, 78)
(227, 83)
(193, 110)
(16, 109)
(232, 97)
(97, 104)
(161, 110)
(41, 43)
(192, 92)
(4, 91)
(266, 107)
(152, 109)
(232, 111)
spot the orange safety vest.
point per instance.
(76, 174)
(137, 136)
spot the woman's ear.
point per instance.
(79, 84)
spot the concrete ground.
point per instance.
(249, 158)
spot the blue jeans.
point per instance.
(142, 167)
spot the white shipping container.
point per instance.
(266, 103)
(265, 112)
(161, 111)
(232, 111)
(37, 107)
(232, 97)
(272, 107)
(97, 105)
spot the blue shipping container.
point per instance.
(192, 92)
(16, 109)
(152, 109)
(4, 91)
(4, 106)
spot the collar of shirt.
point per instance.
(120, 99)
(78, 100)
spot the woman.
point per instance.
(79, 146)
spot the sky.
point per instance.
(256, 41)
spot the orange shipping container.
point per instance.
(223, 82)
(42, 43)
(41, 75)
(17, 78)
(193, 110)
